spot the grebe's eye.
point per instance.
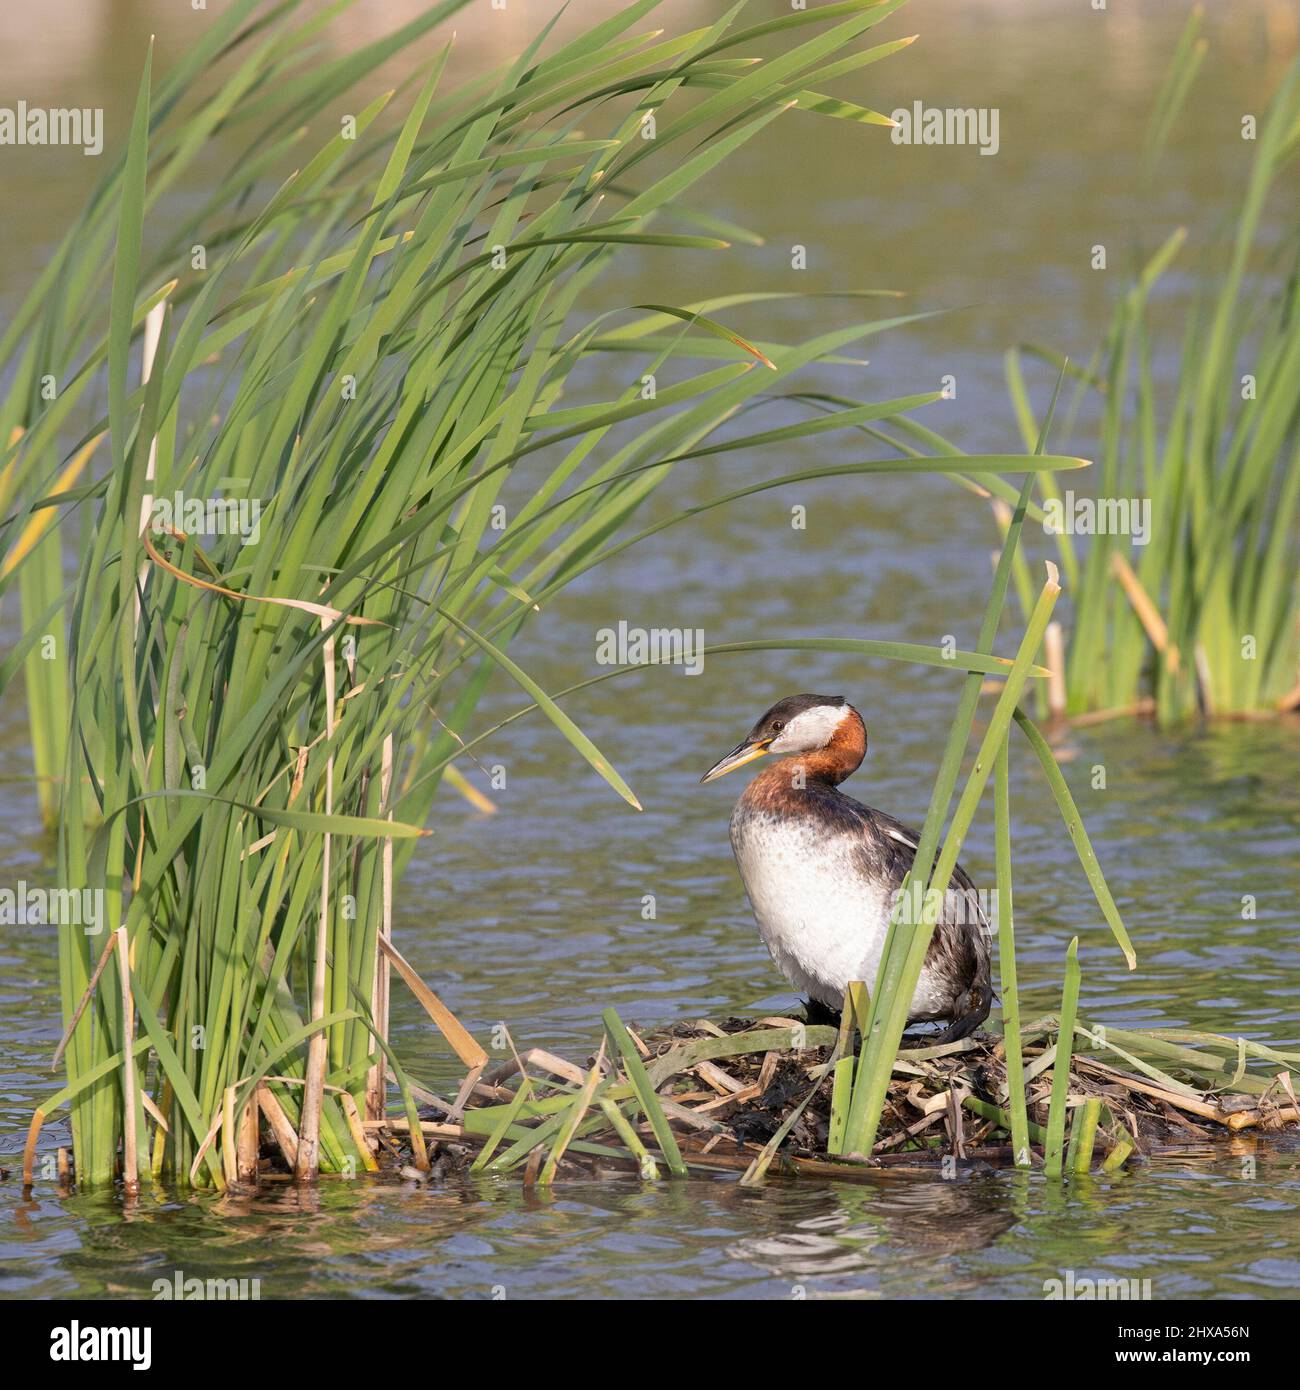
(777, 726)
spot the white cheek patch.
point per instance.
(813, 728)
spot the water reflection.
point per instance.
(925, 1215)
(1195, 1225)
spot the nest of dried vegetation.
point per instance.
(756, 1097)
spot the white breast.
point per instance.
(820, 916)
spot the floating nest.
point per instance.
(760, 1097)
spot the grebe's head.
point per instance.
(797, 724)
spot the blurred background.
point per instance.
(1009, 234)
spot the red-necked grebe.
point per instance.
(822, 870)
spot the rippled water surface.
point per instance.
(533, 917)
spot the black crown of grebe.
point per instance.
(822, 871)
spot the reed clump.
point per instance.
(1192, 608)
(1182, 553)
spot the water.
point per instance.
(534, 917)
